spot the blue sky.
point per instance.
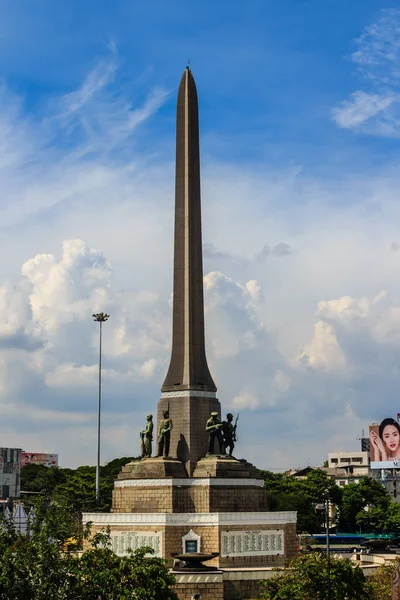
(267, 71)
(300, 123)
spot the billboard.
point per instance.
(385, 444)
(48, 460)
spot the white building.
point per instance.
(348, 467)
(10, 473)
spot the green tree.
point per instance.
(76, 487)
(38, 478)
(369, 505)
(107, 576)
(34, 567)
(307, 579)
(381, 581)
(37, 568)
(287, 492)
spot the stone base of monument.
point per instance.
(206, 586)
(221, 512)
(150, 468)
(221, 465)
(219, 484)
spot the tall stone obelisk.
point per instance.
(188, 392)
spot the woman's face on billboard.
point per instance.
(391, 438)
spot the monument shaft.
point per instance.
(188, 368)
(188, 391)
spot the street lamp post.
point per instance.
(99, 318)
(325, 507)
(328, 547)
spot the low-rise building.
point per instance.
(10, 473)
(348, 467)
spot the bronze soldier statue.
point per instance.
(164, 435)
(214, 428)
(229, 431)
(147, 437)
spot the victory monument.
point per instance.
(193, 501)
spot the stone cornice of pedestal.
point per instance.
(189, 482)
(188, 394)
(198, 577)
(247, 519)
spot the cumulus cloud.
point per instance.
(54, 301)
(357, 341)
(230, 315)
(324, 351)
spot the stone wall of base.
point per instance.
(241, 590)
(232, 584)
(182, 496)
(210, 586)
(245, 584)
(171, 541)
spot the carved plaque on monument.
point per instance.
(123, 542)
(252, 543)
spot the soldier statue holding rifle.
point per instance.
(214, 428)
(229, 431)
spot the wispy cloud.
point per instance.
(376, 108)
(79, 137)
(361, 107)
(96, 116)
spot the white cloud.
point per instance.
(324, 351)
(346, 308)
(148, 368)
(245, 400)
(282, 380)
(361, 107)
(70, 376)
(375, 110)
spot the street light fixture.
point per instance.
(99, 318)
(328, 546)
(325, 506)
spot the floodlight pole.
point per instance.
(99, 318)
(328, 548)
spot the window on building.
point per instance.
(344, 460)
(334, 461)
(357, 459)
(191, 545)
(342, 483)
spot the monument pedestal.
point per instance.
(153, 468)
(221, 509)
(189, 411)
